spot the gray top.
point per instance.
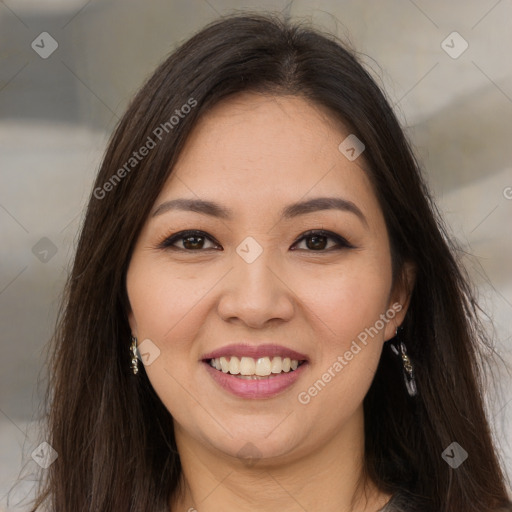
(400, 503)
(390, 505)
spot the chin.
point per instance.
(264, 443)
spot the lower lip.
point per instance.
(255, 388)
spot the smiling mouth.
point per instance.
(255, 369)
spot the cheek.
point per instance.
(348, 300)
(162, 299)
(347, 308)
(165, 306)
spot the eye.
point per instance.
(192, 240)
(319, 239)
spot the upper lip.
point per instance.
(254, 351)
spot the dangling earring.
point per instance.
(135, 361)
(399, 348)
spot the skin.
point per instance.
(255, 154)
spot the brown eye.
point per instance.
(317, 241)
(193, 240)
(190, 240)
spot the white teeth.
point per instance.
(277, 364)
(234, 366)
(215, 363)
(263, 366)
(247, 366)
(223, 364)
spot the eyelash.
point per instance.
(168, 242)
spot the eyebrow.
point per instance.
(288, 212)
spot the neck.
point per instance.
(329, 478)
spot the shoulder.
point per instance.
(404, 501)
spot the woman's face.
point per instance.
(253, 293)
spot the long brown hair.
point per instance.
(114, 436)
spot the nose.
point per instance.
(257, 292)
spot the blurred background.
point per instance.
(68, 69)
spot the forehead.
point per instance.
(257, 129)
(253, 150)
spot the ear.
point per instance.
(132, 322)
(400, 298)
(128, 309)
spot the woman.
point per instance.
(263, 312)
